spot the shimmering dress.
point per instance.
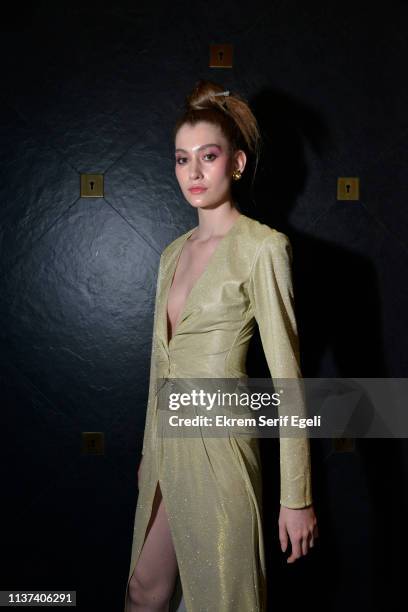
(212, 487)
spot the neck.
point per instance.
(216, 221)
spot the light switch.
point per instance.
(221, 56)
(91, 185)
(348, 188)
(93, 443)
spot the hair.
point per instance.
(231, 113)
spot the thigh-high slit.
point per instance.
(157, 499)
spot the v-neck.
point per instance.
(197, 282)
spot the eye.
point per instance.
(181, 161)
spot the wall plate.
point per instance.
(91, 185)
(221, 56)
(343, 445)
(348, 188)
(93, 443)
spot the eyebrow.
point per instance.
(213, 144)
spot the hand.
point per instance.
(301, 526)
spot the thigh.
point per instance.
(157, 564)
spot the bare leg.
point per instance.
(152, 583)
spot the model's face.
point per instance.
(203, 158)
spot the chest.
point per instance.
(190, 267)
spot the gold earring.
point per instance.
(236, 175)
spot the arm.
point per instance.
(271, 294)
(152, 379)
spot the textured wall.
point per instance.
(93, 89)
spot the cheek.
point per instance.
(179, 173)
(219, 171)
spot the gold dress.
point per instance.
(212, 487)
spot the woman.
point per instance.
(199, 506)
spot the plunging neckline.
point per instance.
(197, 282)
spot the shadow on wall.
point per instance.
(338, 310)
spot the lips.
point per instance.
(197, 189)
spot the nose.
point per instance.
(195, 170)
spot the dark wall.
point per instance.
(94, 89)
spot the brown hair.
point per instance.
(230, 112)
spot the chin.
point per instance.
(197, 206)
(194, 202)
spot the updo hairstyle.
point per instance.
(230, 112)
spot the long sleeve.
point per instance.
(153, 377)
(271, 294)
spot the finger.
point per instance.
(296, 551)
(305, 545)
(283, 537)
